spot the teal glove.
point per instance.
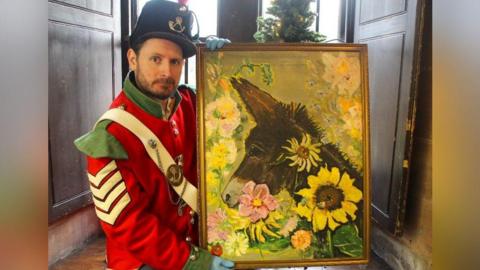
(214, 42)
(221, 264)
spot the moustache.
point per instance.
(165, 81)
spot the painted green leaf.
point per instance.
(276, 245)
(321, 251)
(217, 114)
(239, 129)
(347, 241)
(266, 73)
(304, 224)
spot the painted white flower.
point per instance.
(342, 71)
(236, 244)
(304, 154)
(222, 115)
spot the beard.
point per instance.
(168, 86)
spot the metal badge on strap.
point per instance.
(172, 169)
(175, 172)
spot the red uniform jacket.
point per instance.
(131, 196)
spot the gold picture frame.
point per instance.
(283, 154)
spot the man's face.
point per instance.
(158, 66)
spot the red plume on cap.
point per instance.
(183, 2)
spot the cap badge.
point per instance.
(177, 25)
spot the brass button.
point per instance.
(176, 132)
(191, 212)
(188, 239)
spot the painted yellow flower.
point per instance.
(236, 221)
(213, 196)
(222, 115)
(236, 244)
(213, 199)
(352, 117)
(258, 230)
(342, 71)
(329, 199)
(285, 202)
(355, 155)
(304, 154)
(212, 179)
(301, 240)
(221, 154)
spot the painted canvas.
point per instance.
(283, 154)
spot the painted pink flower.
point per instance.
(256, 201)
(214, 219)
(289, 226)
(215, 235)
(215, 222)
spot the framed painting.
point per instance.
(283, 154)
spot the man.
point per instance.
(142, 204)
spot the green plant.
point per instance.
(290, 23)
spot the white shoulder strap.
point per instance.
(151, 143)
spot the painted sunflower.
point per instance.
(329, 199)
(303, 154)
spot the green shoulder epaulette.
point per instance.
(99, 143)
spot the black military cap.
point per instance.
(167, 20)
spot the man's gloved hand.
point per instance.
(221, 264)
(214, 43)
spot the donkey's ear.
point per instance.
(258, 102)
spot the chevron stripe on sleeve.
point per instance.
(109, 192)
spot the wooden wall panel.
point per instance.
(374, 9)
(390, 30)
(84, 75)
(385, 57)
(84, 90)
(102, 6)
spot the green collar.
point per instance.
(143, 101)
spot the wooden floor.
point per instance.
(89, 258)
(93, 255)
